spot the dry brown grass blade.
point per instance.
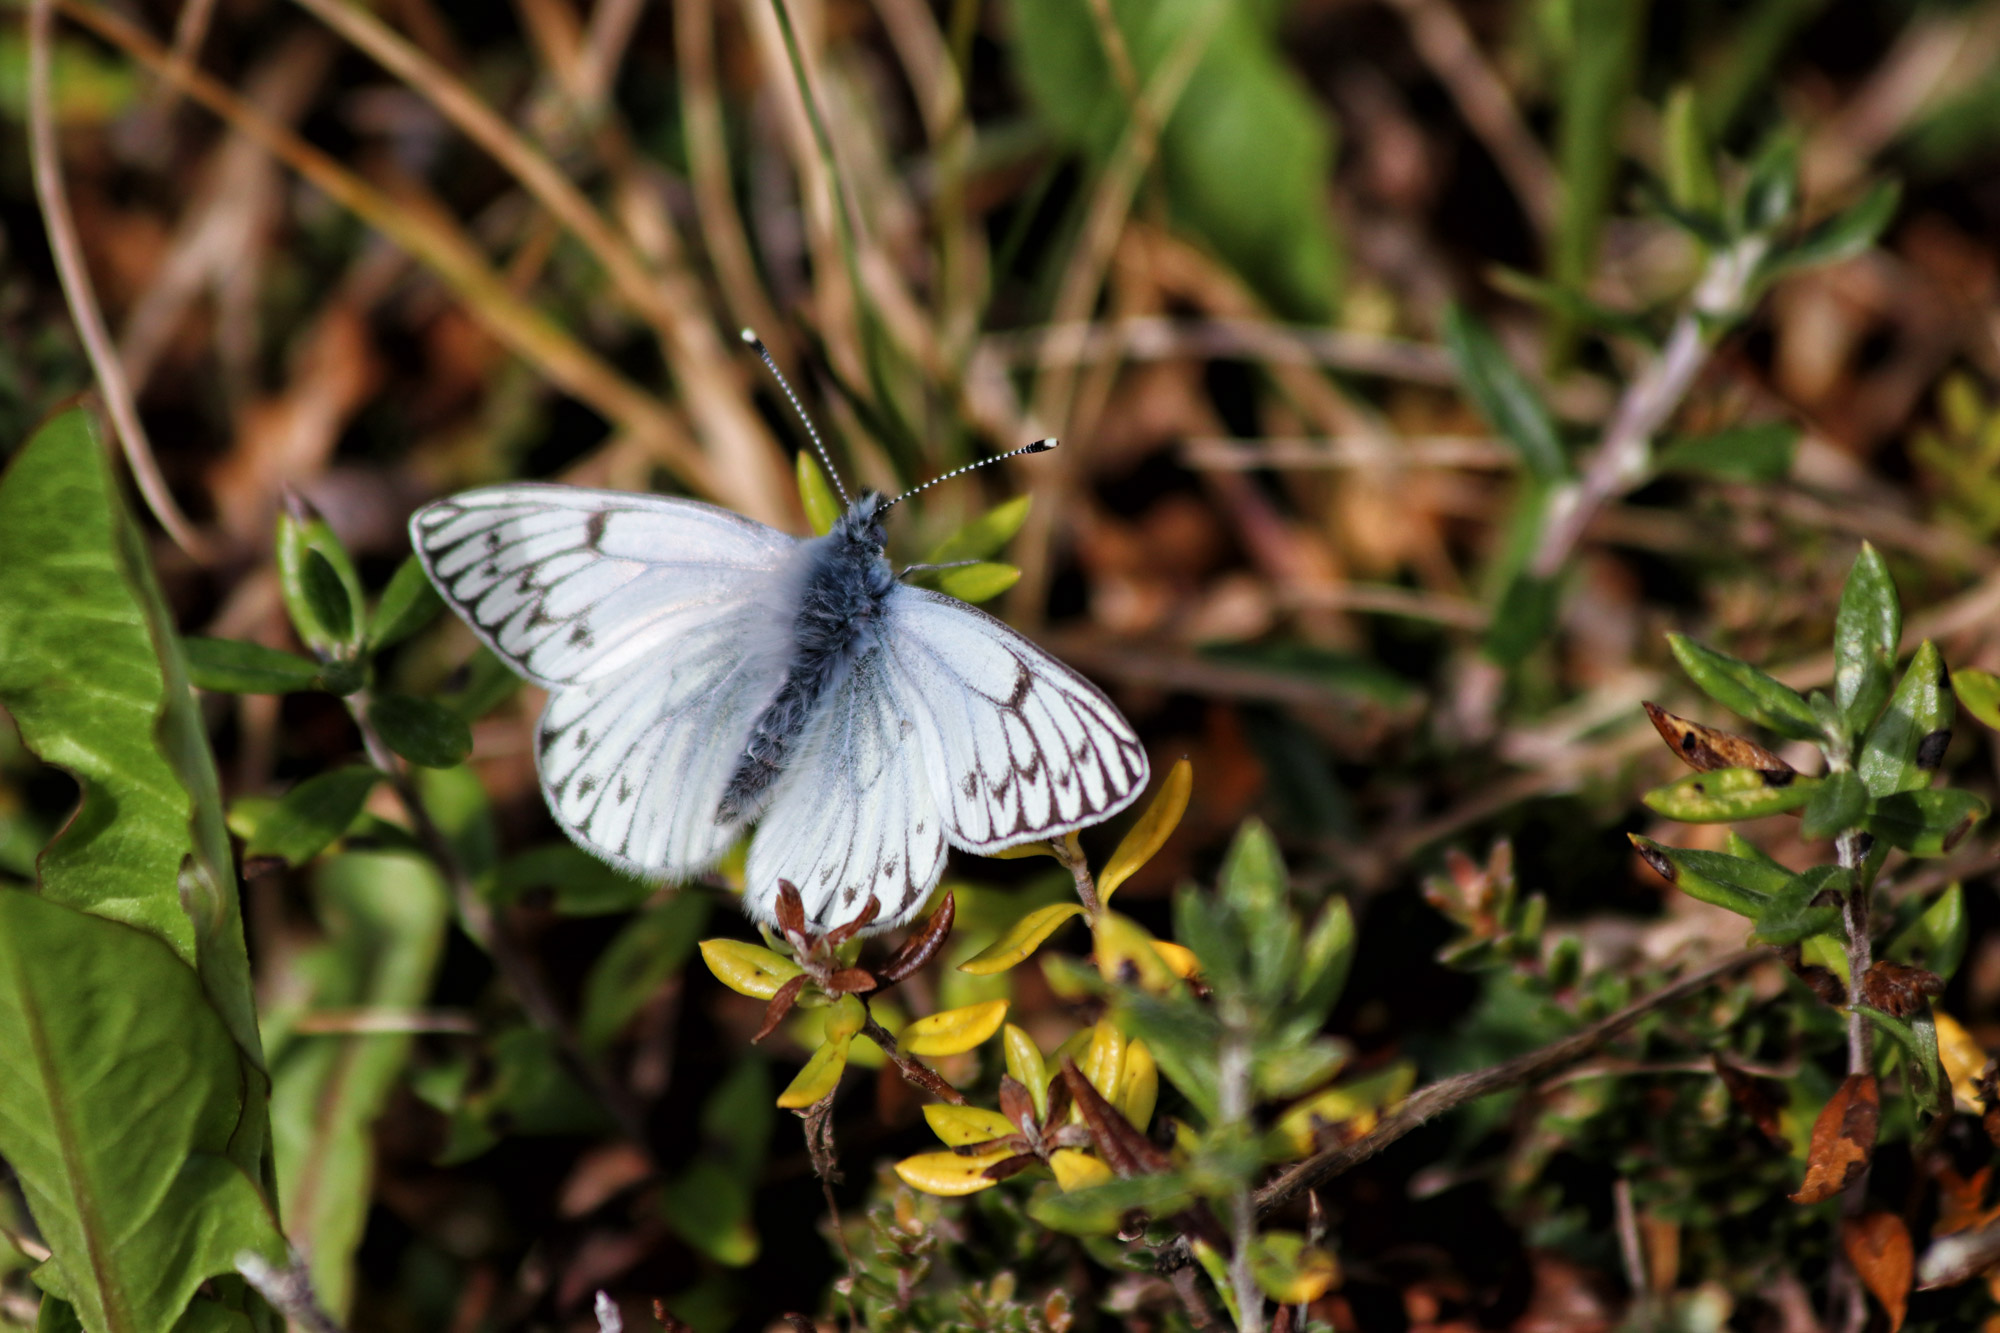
(745, 465)
(445, 251)
(67, 249)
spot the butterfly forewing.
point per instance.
(1018, 746)
(649, 620)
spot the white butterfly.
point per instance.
(706, 672)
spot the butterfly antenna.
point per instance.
(1038, 447)
(819, 445)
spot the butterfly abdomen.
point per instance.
(845, 582)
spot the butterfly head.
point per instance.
(861, 525)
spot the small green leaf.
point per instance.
(1773, 188)
(422, 732)
(978, 583)
(1097, 1210)
(984, 537)
(408, 604)
(1738, 883)
(1916, 1038)
(1746, 691)
(1866, 634)
(1791, 916)
(822, 509)
(1523, 619)
(321, 590)
(1929, 822)
(1510, 405)
(1688, 157)
(1842, 236)
(1291, 1271)
(313, 814)
(1761, 452)
(1729, 794)
(1936, 940)
(231, 666)
(1838, 804)
(1905, 747)
(1979, 692)
(640, 959)
(748, 969)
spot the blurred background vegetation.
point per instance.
(1275, 271)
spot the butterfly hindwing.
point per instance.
(1018, 746)
(649, 620)
(854, 816)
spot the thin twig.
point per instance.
(1446, 1095)
(915, 1072)
(1624, 457)
(67, 248)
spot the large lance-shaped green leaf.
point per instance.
(385, 920)
(90, 669)
(123, 1092)
(1903, 750)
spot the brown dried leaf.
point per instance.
(922, 946)
(1016, 1103)
(1962, 1201)
(1842, 1139)
(1900, 990)
(1124, 1149)
(1821, 981)
(791, 909)
(1763, 1099)
(1878, 1245)
(841, 934)
(1706, 749)
(780, 1004)
(1011, 1166)
(851, 981)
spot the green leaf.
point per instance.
(1097, 1210)
(1979, 692)
(231, 666)
(422, 732)
(649, 952)
(1599, 67)
(321, 590)
(313, 814)
(408, 604)
(1839, 803)
(1790, 915)
(122, 1095)
(815, 495)
(1936, 939)
(1742, 885)
(1328, 953)
(1746, 691)
(1905, 747)
(1916, 1038)
(1842, 236)
(527, 1091)
(1773, 188)
(1523, 619)
(1021, 939)
(1243, 102)
(91, 672)
(978, 583)
(984, 537)
(1761, 452)
(711, 1205)
(1729, 794)
(1929, 822)
(1689, 158)
(1867, 632)
(1510, 405)
(581, 884)
(385, 918)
